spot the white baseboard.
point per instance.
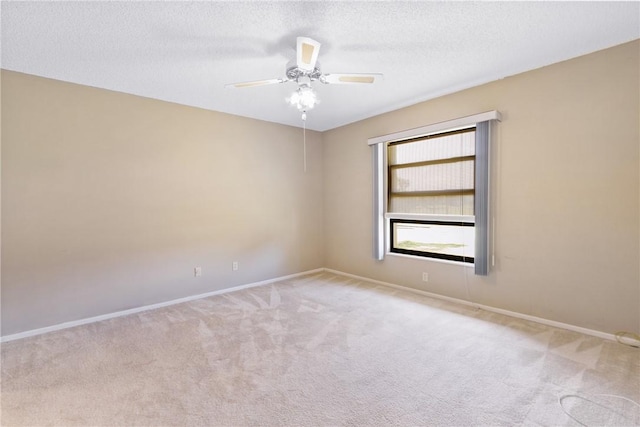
(515, 314)
(74, 323)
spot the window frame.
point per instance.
(391, 218)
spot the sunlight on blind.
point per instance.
(433, 205)
(457, 175)
(433, 175)
(435, 147)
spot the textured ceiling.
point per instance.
(185, 52)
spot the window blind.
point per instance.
(433, 175)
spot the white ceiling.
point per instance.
(185, 52)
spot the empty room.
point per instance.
(309, 213)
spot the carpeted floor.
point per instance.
(318, 350)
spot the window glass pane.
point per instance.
(441, 176)
(441, 147)
(448, 240)
(433, 205)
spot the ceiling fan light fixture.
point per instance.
(304, 98)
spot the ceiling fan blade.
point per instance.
(255, 83)
(351, 78)
(307, 53)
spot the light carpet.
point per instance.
(318, 350)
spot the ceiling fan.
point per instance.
(306, 69)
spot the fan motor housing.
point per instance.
(294, 73)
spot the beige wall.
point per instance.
(111, 200)
(566, 186)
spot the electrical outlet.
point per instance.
(425, 277)
(235, 266)
(197, 272)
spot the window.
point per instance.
(436, 239)
(430, 195)
(431, 191)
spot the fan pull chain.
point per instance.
(304, 140)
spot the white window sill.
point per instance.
(422, 258)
